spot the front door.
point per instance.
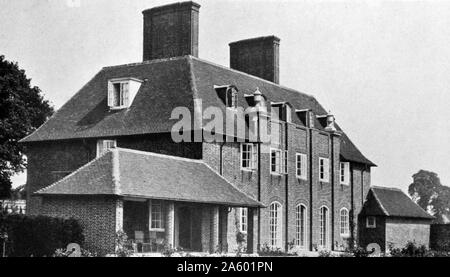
(185, 228)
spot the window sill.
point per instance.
(247, 169)
(344, 184)
(117, 108)
(275, 174)
(302, 178)
(157, 230)
(345, 236)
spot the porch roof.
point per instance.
(132, 173)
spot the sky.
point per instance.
(381, 67)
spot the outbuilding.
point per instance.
(390, 218)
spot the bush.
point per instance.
(325, 254)
(413, 250)
(38, 236)
(123, 245)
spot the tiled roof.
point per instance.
(392, 202)
(132, 173)
(168, 83)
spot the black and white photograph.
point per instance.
(228, 129)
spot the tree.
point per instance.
(22, 110)
(428, 192)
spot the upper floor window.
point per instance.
(243, 223)
(103, 145)
(371, 222)
(278, 161)
(345, 173)
(156, 215)
(324, 170)
(121, 92)
(344, 222)
(249, 156)
(228, 94)
(281, 112)
(301, 167)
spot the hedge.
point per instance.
(38, 236)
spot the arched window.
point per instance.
(324, 228)
(275, 224)
(300, 225)
(345, 222)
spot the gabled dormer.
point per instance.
(121, 92)
(228, 95)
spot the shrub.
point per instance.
(64, 253)
(360, 252)
(325, 254)
(413, 250)
(38, 235)
(123, 245)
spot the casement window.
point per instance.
(371, 222)
(243, 222)
(121, 92)
(345, 173)
(275, 132)
(324, 170)
(275, 161)
(278, 161)
(301, 166)
(104, 145)
(281, 111)
(324, 228)
(249, 156)
(231, 98)
(275, 225)
(344, 222)
(300, 226)
(156, 216)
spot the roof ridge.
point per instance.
(379, 202)
(387, 188)
(252, 76)
(157, 155)
(147, 62)
(71, 174)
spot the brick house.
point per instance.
(108, 158)
(390, 218)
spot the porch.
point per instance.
(153, 225)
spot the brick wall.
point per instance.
(372, 235)
(440, 237)
(99, 216)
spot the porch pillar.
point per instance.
(251, 230)
(170, 224)
(214, 229)
(119, 215)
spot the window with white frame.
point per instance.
(104, 145)
(121, 92)
(324, 170)
(284, 161)
(243, 222)
(249, 156)
(118, 94)
(275, 161)
(345, 173)
(371, 222)
(275, 225)
(301, 166)
(324, 228)
(344, 222)
(156, 216)
(300, 225)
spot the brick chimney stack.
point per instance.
(257, 56)
(171, 31)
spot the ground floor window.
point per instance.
(344, 222)
(243, 213)
(156, 216)
(275, 224)
(300, 226)
(323, 240)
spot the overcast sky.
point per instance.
(381, 67)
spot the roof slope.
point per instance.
(392, 202)
(132, 173)
(168, 83)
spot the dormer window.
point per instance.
(228, 94)
(121, 92)
(103, 145)
(281, 111)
